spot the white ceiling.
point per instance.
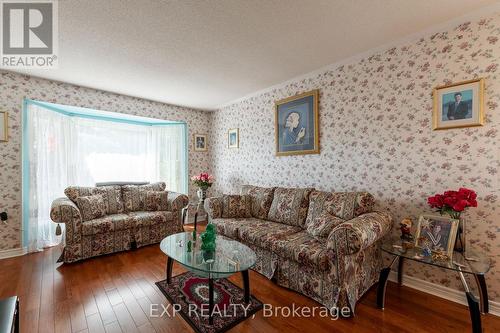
(203, 54)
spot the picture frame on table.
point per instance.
(459, 105)
(297, 124)
(200, 142)
(437, 232)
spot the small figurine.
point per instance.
(189, 246)
(405, 227)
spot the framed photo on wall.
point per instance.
(297, 125)
(459, 105)
(233, 138)
(200, 142)
(4, 127)
(436, 232)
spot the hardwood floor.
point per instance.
(113, 294)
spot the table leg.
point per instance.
(483, 293)
(400, 270)
(246, 285)
(475, 314)
(195, 220)
(382, 284)
(210, 300)
(170, 263)
(184, 213)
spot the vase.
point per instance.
(202, 194)
(460, 239)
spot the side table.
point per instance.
(478, 267)
(197, 204)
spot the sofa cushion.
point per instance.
(229, 226)
(261, 198)
(134, 196)
(112, 196)
(106, 225)
(262, 233)
(345, 205)
(236, 206)
(304, 249)
(91, 206)
(323, 225)
(156, 200)
(146, 219)
(290, 206)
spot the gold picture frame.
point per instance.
(4, 126)
(442, 240)
(200, 142)
(297, 135)
(464, 99)
(233, 138)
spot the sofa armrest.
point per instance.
(213, 207)
(359, 233)
(177, 201)
(64, 210)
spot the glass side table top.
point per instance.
(477, 263)
(230, 256)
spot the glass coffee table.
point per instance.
(230, 257)
(474, 263)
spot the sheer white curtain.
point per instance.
(67, 150)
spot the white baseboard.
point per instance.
(13, 252)
(440, 291)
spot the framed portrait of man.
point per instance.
(459, 105)
(297, 125)
(438, 233)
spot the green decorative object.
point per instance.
(189, 246)
(208, 239)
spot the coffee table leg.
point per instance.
(210, 300)
(483, 293)
(382, 284)
(170, 263)
(246, 285)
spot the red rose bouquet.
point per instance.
(453, 202)
(203, 180)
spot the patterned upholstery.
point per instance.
(116, 231)
(156, 200)
(134, 196)
(91, 206)
(335, 261)
(290, 206)
(112, 196)
(261, 198)
(236, 206)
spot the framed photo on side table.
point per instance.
(4, 127)
(459, 105)
(437, 232)
(297, 125)
(200, 142)
(233, 138)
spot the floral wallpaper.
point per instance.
(15, 87)
(376, 135)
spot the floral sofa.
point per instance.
(324, 245)
(107, 219)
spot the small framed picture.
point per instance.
(4, 118)
(436, 232)
(233, 138)
(200, 142)
(296, 125)
(459, 105)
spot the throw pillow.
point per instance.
(323, 225)
(91, 207)
(134, 196)
(261, 198)
(290, 206)
(156, 200)
(236, 206)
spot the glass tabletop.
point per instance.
(230, 256)
(473, 262)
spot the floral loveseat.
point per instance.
(324, 245)
(107, 219)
